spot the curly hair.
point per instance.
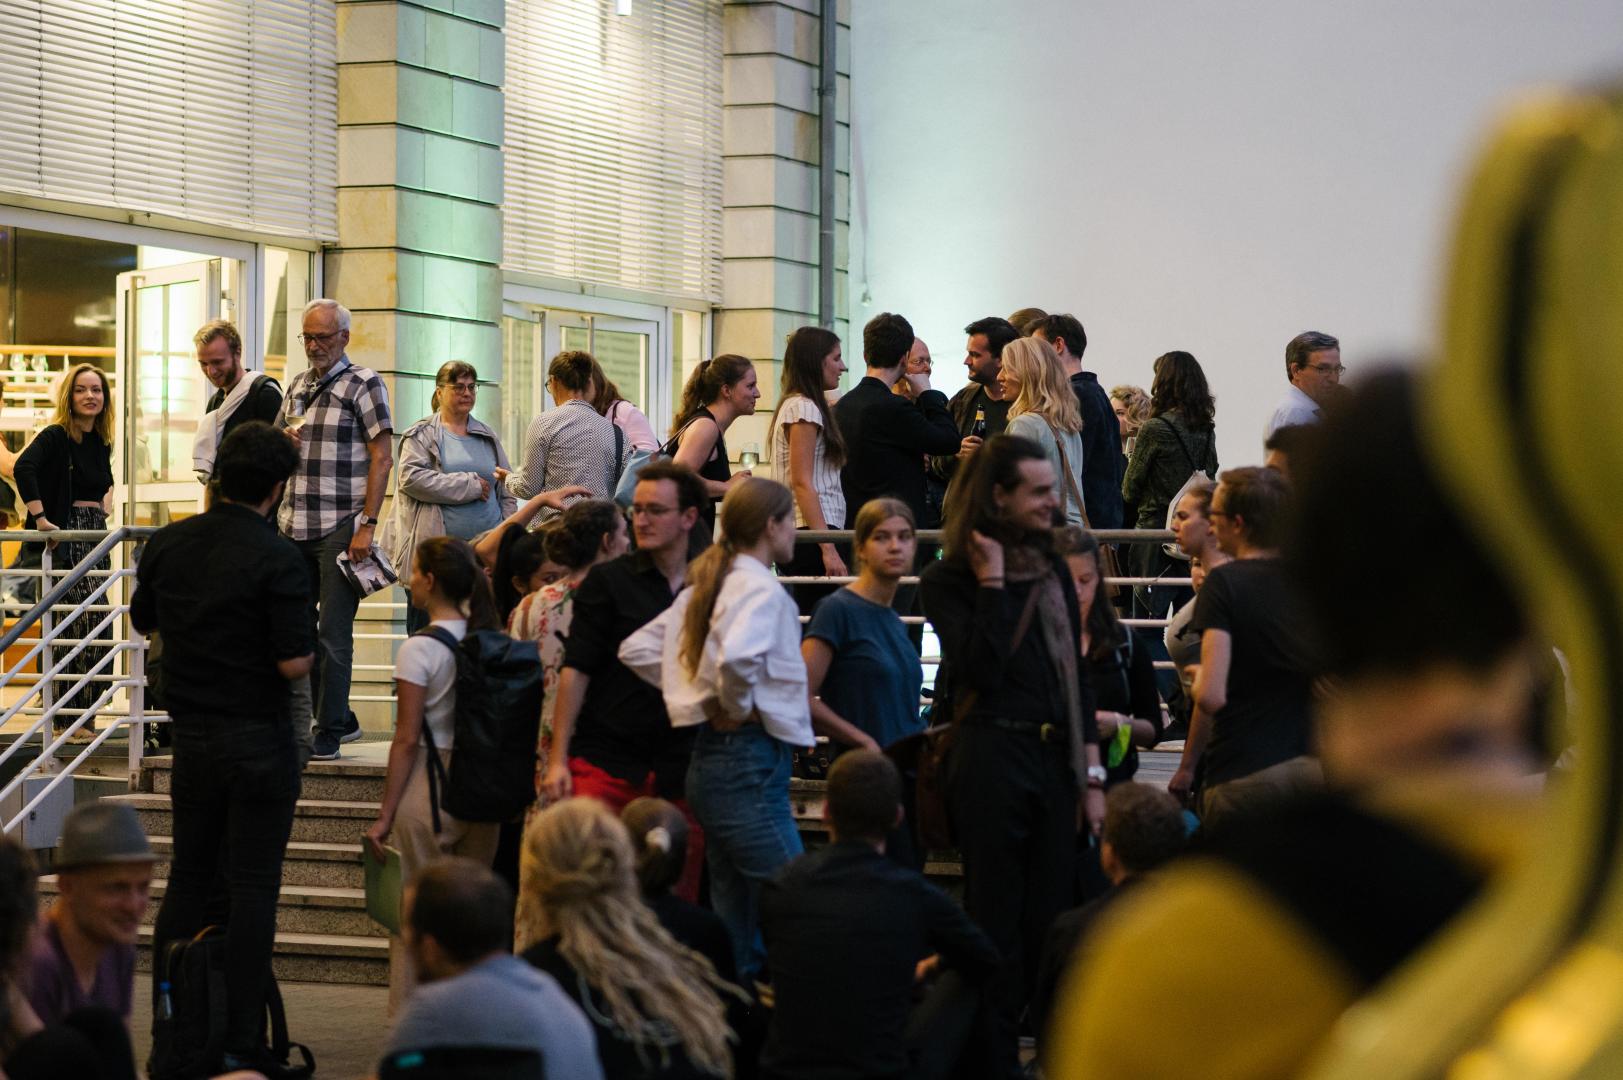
(1180, 383)
(579, 880)
(1137, 403)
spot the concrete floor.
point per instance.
(344, 1026)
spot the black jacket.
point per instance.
(886, 439)
(44, 470)
(1102, 463)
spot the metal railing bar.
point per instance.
(66, 772)
(54, 597)
(48, 753)
(50, 711)
(49, 676)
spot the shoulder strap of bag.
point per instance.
(967, 702)
(438, 778)
(280, 1044)
(1194, 466)
(1070, 480)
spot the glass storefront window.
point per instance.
(289, 285)
(521, 375)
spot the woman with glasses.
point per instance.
(452, 475)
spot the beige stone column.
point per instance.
(770, 187)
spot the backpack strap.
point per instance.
(280, 1044)
(438, 777)
(1194, 466)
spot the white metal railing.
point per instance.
(59, 707)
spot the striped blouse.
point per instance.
(797, 408)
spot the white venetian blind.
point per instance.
(220, 112)
(613, 144)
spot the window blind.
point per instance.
(613, 144)
(221, 112)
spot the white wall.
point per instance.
(1184, 175)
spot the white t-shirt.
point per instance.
(424, 662)
(798, 408)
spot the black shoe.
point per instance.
(352, 729)
(326, 747)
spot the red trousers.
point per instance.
(588, 779)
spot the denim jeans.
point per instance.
(738, 788)
(235, 782)
(334, 620)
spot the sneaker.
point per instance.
(352, 729)
(326, 747)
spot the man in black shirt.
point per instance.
(849, 932)
(983, 357)
(887, 435)
(611, 736)
(1256, 672)
(231, 599)
(1102, 465)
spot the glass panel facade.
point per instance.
(521, 374)
(169, 398)
(289, 284)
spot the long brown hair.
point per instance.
(1105, 631)
(709, 379)
(604, 392)
(970, 506)
(460, 579)
(579, 878)
(803, 360)
(750, 505)
(103, 425)
(1180, 383)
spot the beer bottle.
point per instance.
(978, 428)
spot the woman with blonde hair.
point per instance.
(726, 655)
(1043, 409)
(656, 1005)
(65, 477)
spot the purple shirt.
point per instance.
(53, 987)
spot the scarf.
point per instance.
(206, 443)
(1024, 563)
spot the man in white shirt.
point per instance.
(1313, 366)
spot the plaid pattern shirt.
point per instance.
(344, 411)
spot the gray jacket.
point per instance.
(423, 487)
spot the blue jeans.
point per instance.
(738, 788)
(335, 628)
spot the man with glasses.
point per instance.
(611, 736)
(338, 415)
(1313, 366)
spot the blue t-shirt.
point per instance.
(873, 681)
(470, 453)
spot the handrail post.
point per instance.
(137, 728)
(47, 620)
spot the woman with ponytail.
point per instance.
(719, 392)
(448, 583)
(657, 1005)
(726, 655)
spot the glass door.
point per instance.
(163, 392)
(622, 347)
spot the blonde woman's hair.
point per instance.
(1136, 400)
(103, 426)
(1044, 387)
(579, 881)
(749, 507)
(874, 513)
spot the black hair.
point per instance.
(864, 793)
(1068, 327)
(1180, 383)
(1143, 826)
(577, 534)
(518, 555)
(970, 506)
(252, 460)
(690, 490)
(1361, 464)
(1302, 347)
(886, 340)
(1288, 439)
(463, 906)
(460, 579)
(1104, 625)
(999, 332)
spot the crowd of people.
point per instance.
(653, 912)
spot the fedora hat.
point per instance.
(97, 833)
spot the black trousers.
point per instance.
(1013, 802)
(235, 783)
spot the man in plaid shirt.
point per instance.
(338, 415)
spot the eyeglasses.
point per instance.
(319, 339)
(652, 509)
(461, 387)
(1333, 369)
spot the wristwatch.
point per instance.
(1096, 776)
(364, 520)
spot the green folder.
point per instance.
(384, 884)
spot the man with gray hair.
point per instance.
(338, 415)
(1313, 366)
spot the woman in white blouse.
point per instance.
(726, 654)
(1043, 409)
(807, 450)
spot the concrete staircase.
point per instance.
(323, 933)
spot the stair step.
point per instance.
(323, 780)
(324, 821)
(304, 863)
(320, 958)
(300, 909)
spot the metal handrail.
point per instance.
(109, 540)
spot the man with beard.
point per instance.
(239, 395)
(983, 398)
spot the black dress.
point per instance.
(1124, 682)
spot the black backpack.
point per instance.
(498, 717)
(190, 1042)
